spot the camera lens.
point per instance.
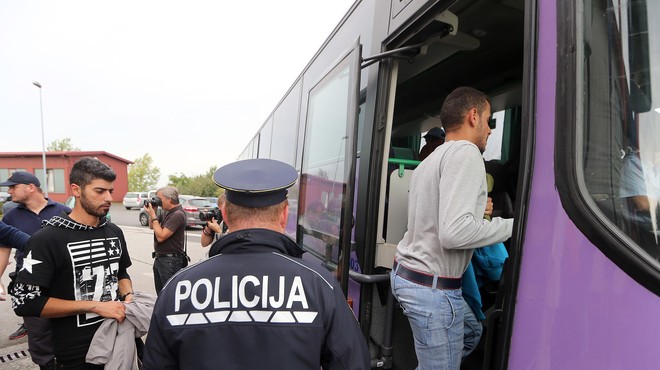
(155, 202)
(208, 215)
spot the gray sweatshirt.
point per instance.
(446, 206)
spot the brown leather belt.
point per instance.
(426, 279)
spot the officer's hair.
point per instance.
(236, 214)
(169, 192)
(87, 169)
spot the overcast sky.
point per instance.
(188, 82)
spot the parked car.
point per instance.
(71, 202)
(212, 200)
(191, 204)
(134, 199)
(3, 196)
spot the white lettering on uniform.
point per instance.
(241, 291)
(182, 292)
(297, 293)
(217, 303)
(203, 292)
(278, 303)
(264, 293)
(208, 294)
(234, 291)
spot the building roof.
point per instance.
(63, 154)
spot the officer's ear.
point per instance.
(224, 213)
(284, 216)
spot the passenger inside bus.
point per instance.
(640, 191)
(434, 138)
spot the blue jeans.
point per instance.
(164, 268)
(472, 330)
(444, 327)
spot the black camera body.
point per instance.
(208, 215)
(155, 202)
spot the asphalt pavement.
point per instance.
(139, 239)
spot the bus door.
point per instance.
(328, 170)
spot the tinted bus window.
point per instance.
(324, 166)
(285, 128)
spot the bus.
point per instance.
(575, 158)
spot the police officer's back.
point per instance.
(256, 304)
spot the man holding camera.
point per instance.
(215, 226)
(169, 235)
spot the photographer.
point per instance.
(215, 227)
(169, 234)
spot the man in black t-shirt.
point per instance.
(75, 268)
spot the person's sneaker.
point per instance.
(19, 333)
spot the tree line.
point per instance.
(143, 174)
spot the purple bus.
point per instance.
(575, 158)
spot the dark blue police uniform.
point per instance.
(256, 304)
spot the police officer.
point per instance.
(255, 304)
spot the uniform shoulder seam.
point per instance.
(305, 267)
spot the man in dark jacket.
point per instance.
(11, 237)
(256, 304)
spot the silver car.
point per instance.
(134, 199)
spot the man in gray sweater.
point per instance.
(447, 202)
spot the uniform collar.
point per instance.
(258, 241)
(49, 203)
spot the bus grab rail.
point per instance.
(371, 279)
(402, 163)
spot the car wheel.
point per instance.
(144, 219)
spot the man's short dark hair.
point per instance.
(87, 169)
(458, 103)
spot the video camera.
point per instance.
(155, 202)
(208, 215)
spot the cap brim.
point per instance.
(256, 200)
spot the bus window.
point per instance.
(621, 130)
(328, 157)
(494, 146)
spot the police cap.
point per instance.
(256, 182)
(21, 177)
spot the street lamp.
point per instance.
(43, 140)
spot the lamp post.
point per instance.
(43, 140)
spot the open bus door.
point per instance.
(328, 169)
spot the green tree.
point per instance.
(62, 145)
(200, 185)
(142, 174)
(179, 181)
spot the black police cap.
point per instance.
(256, 182)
